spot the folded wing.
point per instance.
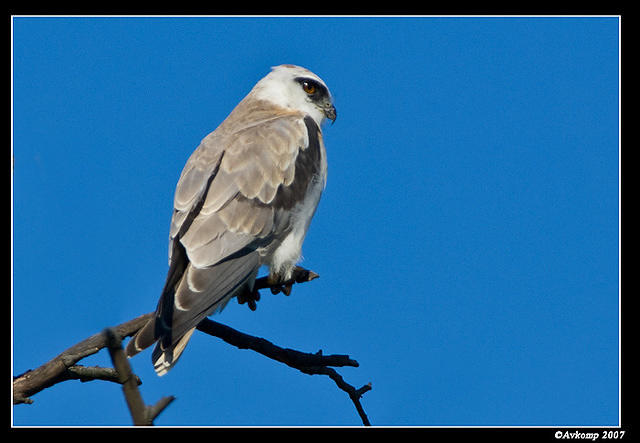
(233, 197)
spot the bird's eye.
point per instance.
(309, 88)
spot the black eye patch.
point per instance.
(313, 88)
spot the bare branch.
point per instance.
(91, 373)
(132, 395)
(63, 367)
(290, 357)
(155, 410)
(299, 275)
(304, 362)
(354, 394)
(55, 370)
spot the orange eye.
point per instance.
(309, 88)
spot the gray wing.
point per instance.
(232, 198)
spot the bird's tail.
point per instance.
(163, 359)
(144, 338)
(199, 293)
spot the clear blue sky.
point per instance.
(467, 240)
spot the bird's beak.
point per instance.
(330, 113)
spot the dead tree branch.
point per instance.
(90, 373)
(141, 414)
(304, 362)
(63, 367)
(57, 369)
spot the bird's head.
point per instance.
(297, 88)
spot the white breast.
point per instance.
(288, 253)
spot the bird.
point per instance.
(245, 198)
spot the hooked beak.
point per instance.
(330, 113)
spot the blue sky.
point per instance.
(467, 240)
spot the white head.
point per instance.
(297, 88)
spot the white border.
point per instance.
(619, 17)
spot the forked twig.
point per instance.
(305, 362)
(141, 414)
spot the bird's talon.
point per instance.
(250, 298)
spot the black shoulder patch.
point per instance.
(307, 166)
